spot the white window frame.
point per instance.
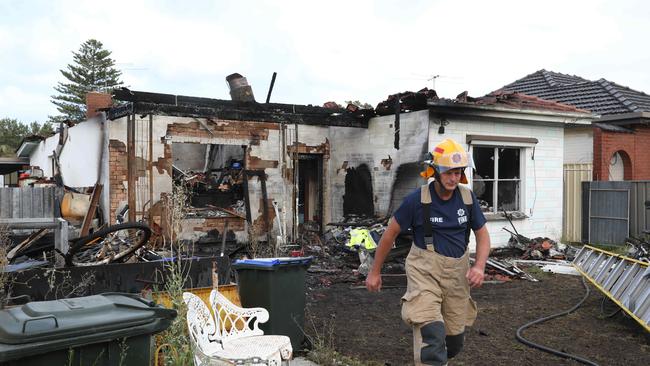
(509, 143)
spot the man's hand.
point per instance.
(373, 282)
(475, 276)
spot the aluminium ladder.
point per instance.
(624, 280)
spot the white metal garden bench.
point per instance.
(235, 337)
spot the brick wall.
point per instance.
(95, 101)
(118, 168)
(206, 224)
(631, 146)
(253, 132)
(263, 141)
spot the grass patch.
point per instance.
(536, 272)
(323, 351)
(176, 350)
(324, 356)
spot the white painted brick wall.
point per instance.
(543, 176)
(579, 146)
(79, 157)
(358, 146)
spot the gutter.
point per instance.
(626, 118)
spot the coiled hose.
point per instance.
(523, 340)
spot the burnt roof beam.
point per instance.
(184, 106)
(253, 115)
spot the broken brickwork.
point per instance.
(118, 170)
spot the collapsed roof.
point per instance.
(144, 103)
(426, 98)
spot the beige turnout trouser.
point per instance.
(437, 291)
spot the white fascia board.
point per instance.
(518, 115)
(26, 148)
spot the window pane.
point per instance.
(508, 196)
(483, 192)
(508, 163)
(484, 162)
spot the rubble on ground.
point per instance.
(339, 260)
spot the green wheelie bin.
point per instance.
(102, 330)
(278, 285)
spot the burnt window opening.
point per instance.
(497, 179)
(358, 197)
(213, 173)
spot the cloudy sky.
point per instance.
(322, 51)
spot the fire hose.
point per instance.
(556, 352)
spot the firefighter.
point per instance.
(437, 303)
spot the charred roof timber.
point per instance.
(409, 101)
(185, 106)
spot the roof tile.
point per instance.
(601, 96)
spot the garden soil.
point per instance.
(368, 326)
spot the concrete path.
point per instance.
(301, 361)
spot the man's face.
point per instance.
(450, 179)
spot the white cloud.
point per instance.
(24, 105)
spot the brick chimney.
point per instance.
(239, 89)
(95, 101)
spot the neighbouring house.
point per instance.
(616, 143)
(9, 167)
(292, 164)
(613, 148)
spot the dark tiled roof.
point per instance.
(600, 97)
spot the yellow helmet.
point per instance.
(447, 155)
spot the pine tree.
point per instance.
(92, 70)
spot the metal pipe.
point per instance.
(150, 166)
(296, 188)
(103, 171)
(268, 96)
(130, 142)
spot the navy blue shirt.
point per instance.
(448, 221)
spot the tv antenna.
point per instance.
(433, 80)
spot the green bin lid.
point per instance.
(68, 318)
